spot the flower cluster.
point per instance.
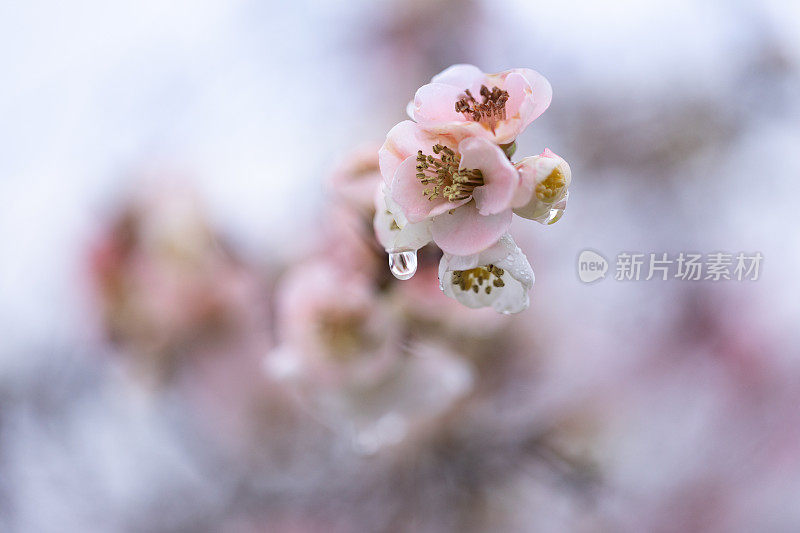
(448, 178)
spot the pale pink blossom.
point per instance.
(464, 185)
(344, 349)
(544, 184)
(346, 238)
(498, 277)
(356, 177)
(495, 106)
(334, 330)
(168, 287)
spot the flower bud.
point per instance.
(544, 180)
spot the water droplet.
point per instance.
(554, 216)
(403, 264)
(557, 210)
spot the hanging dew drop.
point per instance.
(555, 215)
(557, 211)
(403, 264)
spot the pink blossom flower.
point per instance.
(334, 329)
(168, 288)
(344, 349)
(355, 179)
(496, 106)
(498, 277)
(348, 240)
(543, 189)
(464, 184)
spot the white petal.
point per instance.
(394, 232)
(410, 109)
(393, 207)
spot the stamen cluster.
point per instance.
(474, 278)
(489, 111)
(444, 176)
(547, 189)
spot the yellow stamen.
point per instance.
(474, 278)
(443, 175)
(548, 189)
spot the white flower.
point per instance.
(543, 191)
(498, 277)
(393, 230)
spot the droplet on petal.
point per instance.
(557, 211)
(403, 264)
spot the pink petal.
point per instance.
(500, 177)
(409, 193)
(462, 76)
(527, 182)
(407, 137)
(541, 94)
(402, 141)
(518, 89)
(466, 232)
(436, 102)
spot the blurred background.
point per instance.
(185, 213)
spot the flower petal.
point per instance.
(518, 269)
(385, 196)
(500, 176)
(396, 234)
(541, 94)
(436, 102)
(403, 140)
(518, 89)
(392, 237)
(463, 76)
(466, 232)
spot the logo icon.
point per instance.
(591, 266)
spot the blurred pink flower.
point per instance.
(495, 106)
(356, 178)
(333, 328)
(348, 240)
(344, 347)
(544, 184)
(465, 185)
(498, 277)
(168, 288)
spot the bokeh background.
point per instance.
(174, 237)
